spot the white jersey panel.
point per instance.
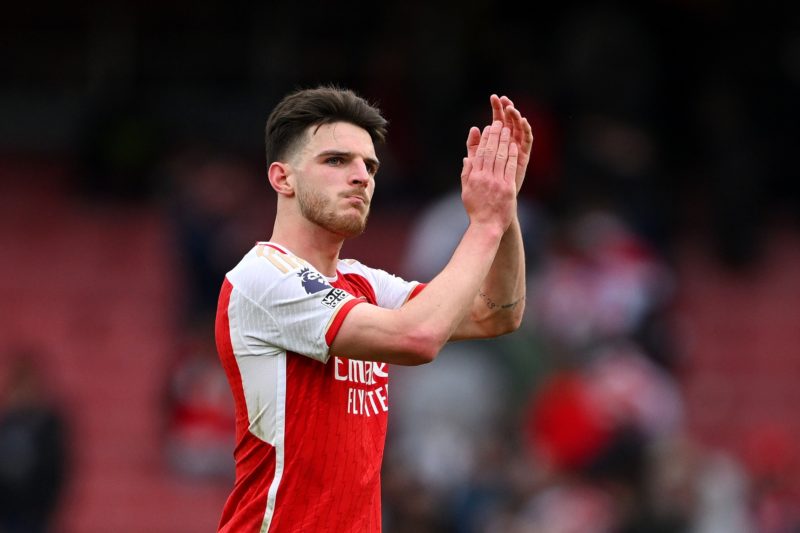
(260, 375)
(283, 303)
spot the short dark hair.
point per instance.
(314, 107)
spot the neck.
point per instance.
(310, 242)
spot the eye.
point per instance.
(372, 168)
(334, 160)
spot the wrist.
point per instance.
(492, 230)
(513, 229)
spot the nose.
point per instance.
(359, 175)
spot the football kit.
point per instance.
(310, 427)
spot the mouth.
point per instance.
(357, 199)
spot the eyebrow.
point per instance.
(348, 155)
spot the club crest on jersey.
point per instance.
(312, 281)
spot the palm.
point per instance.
(503, 109)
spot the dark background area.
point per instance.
(707, 88)
(663, 188)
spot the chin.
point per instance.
(351, 227)
(352, 231)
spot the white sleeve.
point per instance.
(294, 309)
(391, 291)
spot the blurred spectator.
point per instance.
(571, 507)
(695, 489)
(632, 391)
(566, 431)
(600, 282)
(200, 424)
(770, 456)
(610, 439)
(33, 448)
(578, 415)
(439, 420)
(440, 225)
(218, 209)
(445, 419)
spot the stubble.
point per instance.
(320, 210)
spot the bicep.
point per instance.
(373, 333)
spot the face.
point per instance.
(335, 177)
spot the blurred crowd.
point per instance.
(574, 423)
(652, 123)
(34, 445)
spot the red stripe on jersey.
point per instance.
(356, 285)
(417, 290)
(336, 323)
(228, 360)
(255, 467)
(247, 503)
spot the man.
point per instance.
(306, 338)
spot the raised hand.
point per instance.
(488, 185)
(521, 134)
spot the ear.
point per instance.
(279, 178)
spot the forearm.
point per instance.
(461, 280)
(417, 331)
(500, 302)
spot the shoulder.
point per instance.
(352, 266)
(267, 265)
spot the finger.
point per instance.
(505, 101)
(502, 151)
(473, 140)
(466, 168)
(490, 151)
(527, 136)
(514, 122)
(511, 164)
(481, 151)
(497, 107)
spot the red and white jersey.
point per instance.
(310, 428)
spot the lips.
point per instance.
(357, 196)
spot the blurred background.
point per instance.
(653, 385)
